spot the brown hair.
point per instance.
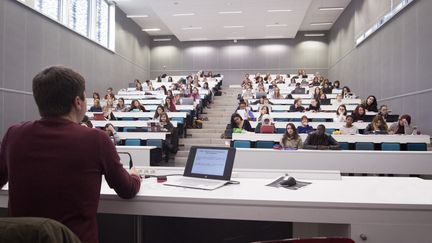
(55, 89)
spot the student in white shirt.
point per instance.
(349, 128)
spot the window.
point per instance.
(94, 19)
(79, 16)
(384, 19)
(102, 22)
(50, 8)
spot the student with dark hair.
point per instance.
(349, 128)
(96, 96)
(403, 126)
(346, 91)
(297, 106)
(238, 122)
(314, 106)
(290, 139)
(341, 114)
(336, 84)
(86, 122)
(304, 127)
(60, 174)
(159, 110)
(169, 104)
(359, 113)
(383, 111)
(377, 126)
(110, 94)
(112, 133)
(120, 105)
(370, 104)
(264, 110)
(136, 106)
(320, 140)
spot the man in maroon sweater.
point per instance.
(54, 165)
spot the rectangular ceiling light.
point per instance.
(191, 28)
(314, 35)
(183, 14)
(331, 9)
(151, 29)
(162, 39)
(233, 26)
(321, 23)
(138, 16)
(276, 25)
(230, 12)
(278, 10)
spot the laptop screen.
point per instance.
(210, 162)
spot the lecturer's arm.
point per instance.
(126, 185)
(3, 164)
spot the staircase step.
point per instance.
(199, 141)
(203, 130)
(182, 153)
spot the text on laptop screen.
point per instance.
(210, 162)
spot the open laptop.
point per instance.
(325, 101)
(260, 94)
(299, 91)
(267, 129)
(207, 168)
(392, 118)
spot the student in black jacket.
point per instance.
(297, 106)
(320, 140)
(370, 103)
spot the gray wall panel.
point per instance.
(394, 61)
(29, 42)
(234, 59)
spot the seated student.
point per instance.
(108, 109)
(346, 92)
(264, 110)
(159, 110)
(349, 128)
(383, 111)
(320, 140)
(336, 84)
(96, 96)
(338, 101)
(276, 93)
(341, 114)
(112, 133)
(169, 104)
(359, 113)
(238, 122)
(259, 101)
(96, 106)
(109, 94)
(403, 126)
(327, 89)
(120, 105)
(304, 128)
(315, 82)
(170, 144)
(244, 111)
(297, 106)
(136, 106)
(266, 102)
(86, 122)
(290, 139)
(370, 104)
(314, 106)
(317, 93)
(377, 126)
(266, 121)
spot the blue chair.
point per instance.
(390, 146)
(155, 142)
(133, 142)
(329, 130)
(264, 144)
(280, 130)
(127, 118)
(242, 144)
(178, 119)
(416, 147)
(280, 119)
(364, 146)
(344, 145)
(128, 129)
(318, 120)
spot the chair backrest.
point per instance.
(242, 144)
(35, 230)
(364, 146)
(416, 147)
(390, 146)
(264, 144)
(132, 142)
(344, 145)
(155, 142)
(311, 240)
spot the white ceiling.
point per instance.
(254, 22)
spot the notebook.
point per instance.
(207, 168)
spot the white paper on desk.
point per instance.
(298, 185)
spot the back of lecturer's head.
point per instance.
(55, 89)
